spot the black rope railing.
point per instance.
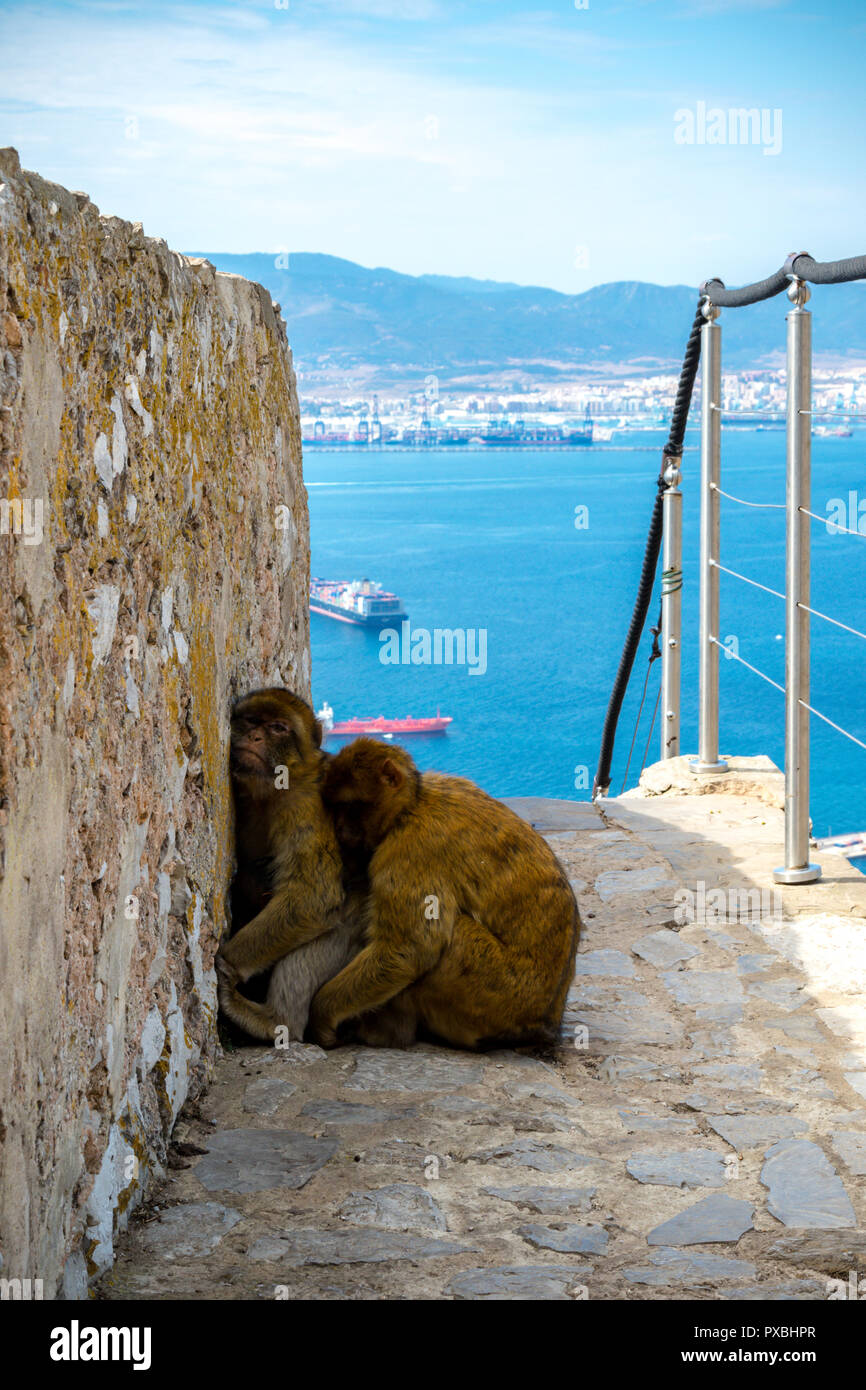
(799, 265)
(673, 449)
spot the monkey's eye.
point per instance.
(279, 727)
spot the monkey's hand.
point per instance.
(228, 975)
(283, 924)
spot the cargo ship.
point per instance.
(583, 435)
(385, 728)
(429, 438)
(366, 432)
(358, 601)
(508, 434)
(502, 431)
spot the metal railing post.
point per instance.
(708, 759)
(797, 868)
(672, 586)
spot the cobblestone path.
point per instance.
(699, 1133)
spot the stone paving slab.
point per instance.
(699, 1133)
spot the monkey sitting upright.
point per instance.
(289, 868)
(473, 925)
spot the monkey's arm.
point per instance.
(294, 980)
(281, 926)
(391, 962)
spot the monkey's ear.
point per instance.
(317, 733)
(391, 774)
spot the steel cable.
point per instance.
(797, 266)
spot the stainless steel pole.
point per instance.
(797, 868)
(672, 587)
(708, 759)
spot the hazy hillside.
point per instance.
(343, 316)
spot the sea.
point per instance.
(541, 552)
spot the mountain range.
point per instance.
(376, 326)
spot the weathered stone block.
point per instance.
(521, 1283)
(153, 565)
(255, 1160)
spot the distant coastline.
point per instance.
(355, 327)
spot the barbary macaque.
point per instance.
(308, 921)
(473, 925)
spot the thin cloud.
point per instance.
(493, 141)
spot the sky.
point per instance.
(559, 144)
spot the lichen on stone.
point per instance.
(150, 405)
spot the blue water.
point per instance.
(474, 539)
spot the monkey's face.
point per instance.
(275, 740)
(352, 822)
(366, 788)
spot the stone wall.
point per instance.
(154, 561)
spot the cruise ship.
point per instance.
(361, 602)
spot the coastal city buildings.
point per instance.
(433, 415)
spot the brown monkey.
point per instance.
(473, 925)
(290, 870)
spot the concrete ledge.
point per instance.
(756, 777)
(547, 814)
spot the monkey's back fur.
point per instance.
(469, 909)
(506, 972)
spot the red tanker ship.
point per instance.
(352, 728)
